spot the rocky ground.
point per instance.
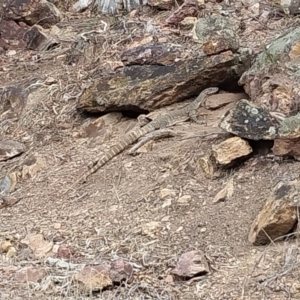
(138, 214)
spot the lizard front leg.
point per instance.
(143, 120)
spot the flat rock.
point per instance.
(148, 87)
(279, 214)
(221, 99)
(228, 151)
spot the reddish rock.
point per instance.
(120, 270)
(11, 35)
(191, 264)
(93, 278)
(64, 252)
(31, 12)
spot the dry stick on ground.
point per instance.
(288, 266)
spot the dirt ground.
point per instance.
(103, 219)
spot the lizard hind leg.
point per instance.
(193, 117)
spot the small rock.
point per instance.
(278, 215)
(191, 264)
(225, 193)
(167, 202)
(38, 39)
(188, 22)
(11, 52)
(179, 228)
(208, 166)
(56, 226)
(165, 219)
(32, 165)
(120, 270)
(81, 5)
(228, 151)
(64, 251)
(93, 278)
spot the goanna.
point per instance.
(163, 121)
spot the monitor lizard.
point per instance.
(163, 121)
